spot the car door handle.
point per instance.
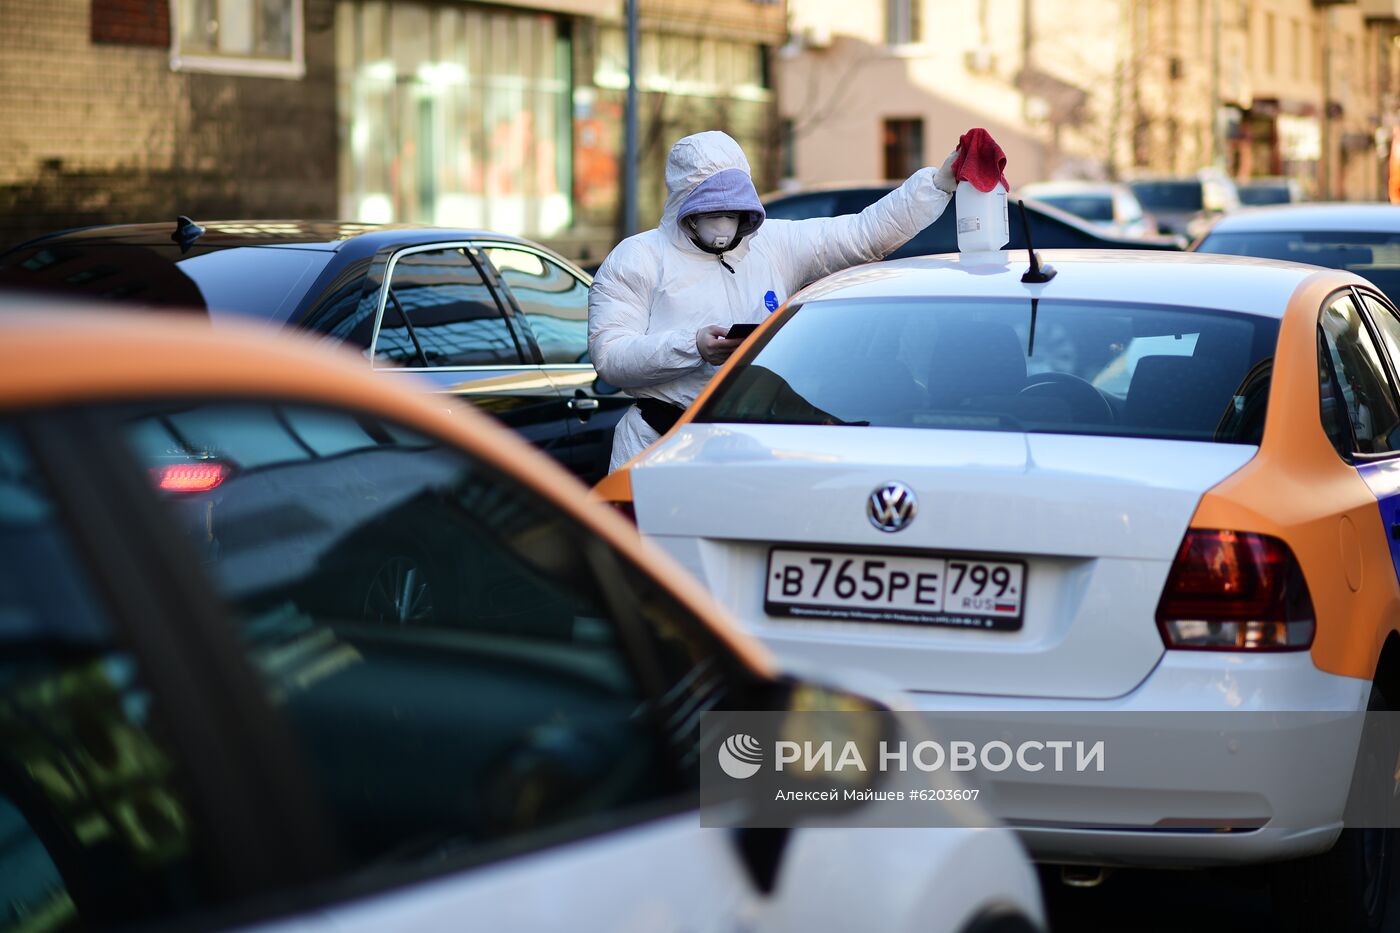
(583, 404)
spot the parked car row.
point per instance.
(1146, 206)
(1108, 205)
(1050, 226)
(313, 648)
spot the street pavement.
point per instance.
(1161, 902)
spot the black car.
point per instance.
(494, 319)
(1051, 228)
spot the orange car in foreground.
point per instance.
(284, 642)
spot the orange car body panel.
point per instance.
(65, 357)
(1298, 489)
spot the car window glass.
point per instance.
(801, 207)
(1093, 207)
(1374, 256)
(451, 651)
(551, 297)
(95, 825)
(1334, 404)
(345, 310)
(452, 316)
(1127, 207)
(853, 202)
(1085, 368)
(1386, 324)
(1363, 381)
(262, 283)
(1168, 195)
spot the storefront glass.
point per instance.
(454, 115)
(687, 84)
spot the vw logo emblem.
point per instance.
(891, 507)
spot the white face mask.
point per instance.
(715, 231)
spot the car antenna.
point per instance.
(186, 232)
(1035, 275)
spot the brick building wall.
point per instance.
(95, 127)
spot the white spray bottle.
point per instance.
(983, 224)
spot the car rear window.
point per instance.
(1168, 195)
(1265, 194)
(265, 283)
(1094, 207)
(1374, 256)
(1095, 368)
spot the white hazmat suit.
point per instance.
(657, 289)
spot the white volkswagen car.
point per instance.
(1155, 482)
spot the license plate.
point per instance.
(965, 592)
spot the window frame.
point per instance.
(911, 143)
(518, 313)
(291, 68)
(524, 340)
(1390, 368)
(904, 26)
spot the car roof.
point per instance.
(94, 356)
(1042, 189)
(829, 186)
(1058, 214)
(1341, 217)
(1232, 283)
(299, 234)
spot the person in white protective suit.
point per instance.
(664, 299)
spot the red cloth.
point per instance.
(980, 161)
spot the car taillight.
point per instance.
(199, 476)
(1235, 591)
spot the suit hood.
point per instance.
(708, 172)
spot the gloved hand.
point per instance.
(713, 346)
(943, 179)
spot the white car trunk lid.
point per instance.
(1096, 520)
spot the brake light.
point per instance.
(1235, 591)
(200, 476)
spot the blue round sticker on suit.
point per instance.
(770, 301)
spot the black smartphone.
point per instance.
(740, 331)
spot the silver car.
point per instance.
(1110, 206)
(1360, 238)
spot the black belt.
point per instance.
(661, 416)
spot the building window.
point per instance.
(686, 84)
(904, 148)
(252, 37)
(902, 23)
